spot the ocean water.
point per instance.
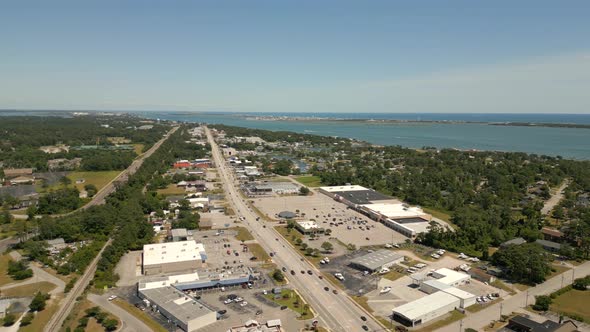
(572, 143)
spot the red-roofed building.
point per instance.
(182, 164)
(551, 234)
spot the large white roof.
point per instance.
(458, 293)
(418, 308)
(450, 276)
(343, 188)
(171, 252)
(395, 210)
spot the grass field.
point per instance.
(29, 289)
(99, 179)
(559, 269)
(4, 277)
(573, 302)
(138, 148)
(258, 252)
(309, 180)
(172, 189)
(454, 316)
(243, 234)
(393, 275)
(293, 302)
(145, 318)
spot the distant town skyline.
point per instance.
(296, 56)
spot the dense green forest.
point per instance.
(123, 217)
(21, 138)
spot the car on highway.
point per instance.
(284, 269)
(309, 272)
(363, 318)
(321, 276)
(365, 327)
(335, 291)
(326, 289)
(292, 272)
(302, 272)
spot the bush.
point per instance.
(9, 320)
(19, 270)
(542, 303)
(27, 319)
(110, 324)
(561, 291)
(581, 283)
(70, 285)
(83, 322)
(38, 302)
(278, 275)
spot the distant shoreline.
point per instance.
(396, 121)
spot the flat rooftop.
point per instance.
(172, 252)
(422, 306)
(343, 188)
(377, 259)
(395, 211)
(361, 197)
(184, 307)
(450, 276)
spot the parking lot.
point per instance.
(355, 282)
(223, 250)
(324, 211)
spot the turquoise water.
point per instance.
(566, 142)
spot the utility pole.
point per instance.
(526, 299)
(501, 304)
(461, 326)
(562, 276)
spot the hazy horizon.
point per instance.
(304, 56)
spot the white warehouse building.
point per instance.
(169, 257)
(425, 309)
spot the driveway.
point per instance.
(130, 322)
(38, 275)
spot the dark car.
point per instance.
(302, 272)
(292, 272)
(309, 272)
(284, 269)
(326, 289)
(335, 291)
(283, 307)
(321, 277)
(253, 258)
(363, 318)
(365, 327)
(222, 312)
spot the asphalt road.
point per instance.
(68, 302)
(335, 311)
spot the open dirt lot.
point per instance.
(324, 211)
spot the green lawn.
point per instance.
(393, 275)
(258, 252)
(243, 234)
(573, 302)
(99, 179)
(4, 277)
(172, 189)
(454, 316)
(29, 289)
(309, 180)
(293, 302)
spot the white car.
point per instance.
(243, 304)
(238, 300)
(228, 301)
(112, 297)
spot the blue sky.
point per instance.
(308, 56)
